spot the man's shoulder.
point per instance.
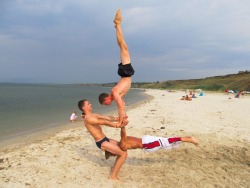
(114, 90)
(115, 94)
(90, 117)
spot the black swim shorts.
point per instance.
(99, 143)
(125, 70)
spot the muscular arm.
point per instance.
(109, 118)
(105, 120)
(123, 141)
(120, 104)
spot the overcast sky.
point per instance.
(73, 41)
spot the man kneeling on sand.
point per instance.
(150, 143)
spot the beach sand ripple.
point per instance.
(70, 158)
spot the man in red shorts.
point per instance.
(150, 143)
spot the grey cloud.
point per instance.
(70, 41)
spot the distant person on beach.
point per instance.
(93, 123)
(150, 143)
(238, 94)
(73, 117)
(187, 98)
(125, 70)
(191, 94)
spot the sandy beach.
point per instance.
(70, 157)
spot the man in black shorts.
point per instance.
(94, 122)
(125, 70)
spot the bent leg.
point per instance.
(121, 157)
(124, 53)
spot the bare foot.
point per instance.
(194, 141)
(190, 139)
(118, 17)
(115, 178)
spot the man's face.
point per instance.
(107, 101)
(87, 105)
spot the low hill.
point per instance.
(240, 81)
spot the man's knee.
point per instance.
(123, 146)
(124, 154)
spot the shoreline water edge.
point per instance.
(38, 134)
(70, 158)
(30, 111)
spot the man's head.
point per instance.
(84, 105)
(105, 99)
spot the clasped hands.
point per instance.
(124, 121)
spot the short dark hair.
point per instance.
(102, 97)
(81, 104)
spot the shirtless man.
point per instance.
(150, 143)
(125, 70)
(93, 124)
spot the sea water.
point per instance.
(26, 108)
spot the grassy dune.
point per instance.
(240, 81)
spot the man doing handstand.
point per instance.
(125, 70)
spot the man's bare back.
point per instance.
(122, 87)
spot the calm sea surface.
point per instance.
(27, 108)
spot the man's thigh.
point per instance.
(113, 141)
(112, 147)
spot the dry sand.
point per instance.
(70, 158)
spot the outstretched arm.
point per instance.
(120, 104)
(123, 141)
(110, 124)
(99, 120)
(109, 118)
